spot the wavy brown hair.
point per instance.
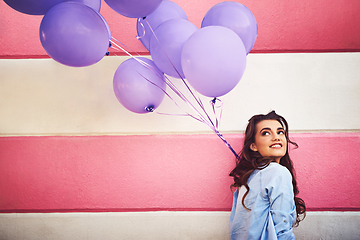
(249, 160)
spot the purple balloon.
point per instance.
(94, 4)
(133, 8)
(74, 34)
(167, 10)
(167, 43)
(138, 85)
(32, 7)
(235, 16)
(213, 60)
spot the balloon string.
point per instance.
(204, 119)
(168, 83)
(183, 80)
(121, 48)
(171, 86)
(227, 144)
(185, 99)
(150, 67)
(213, 104)
(143, 29)
(208, 122)
(167, 94)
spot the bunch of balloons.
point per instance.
(212, 59)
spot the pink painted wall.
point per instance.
(284, 26)
(163, 172)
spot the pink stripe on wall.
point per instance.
(162, 172)
(284, 26)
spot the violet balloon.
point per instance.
(167, 10)
(213, 60)
(138, 86)
(32, 7)
(133, 8)
(94, 4)
(235, 16)
(167, 43)
(74, 34)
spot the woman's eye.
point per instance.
(265, 133)
(281, 132)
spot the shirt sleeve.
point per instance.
(279, 192)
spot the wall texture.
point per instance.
(75, 164)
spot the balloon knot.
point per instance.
(144, 18)
(107, 53)
(214, 100)
(150, 108)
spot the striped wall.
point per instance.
(75, 164)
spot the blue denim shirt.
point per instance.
(271, 203)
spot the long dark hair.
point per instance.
(249, 160)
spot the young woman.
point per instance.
(265, 205)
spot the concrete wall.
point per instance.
(75, 164)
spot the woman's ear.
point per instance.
(253, 147)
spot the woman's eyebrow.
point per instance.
(269, 129)
(265, 128)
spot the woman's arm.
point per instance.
(279, 192)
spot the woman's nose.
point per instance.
(276, 137)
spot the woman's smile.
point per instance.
(276, 145)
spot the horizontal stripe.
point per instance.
(312, 91)
(283, 26)
(161, 172)
(161, 225)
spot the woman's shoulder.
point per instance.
(275, 169)
(273, 166)
(273, 172)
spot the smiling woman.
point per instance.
(265, 183)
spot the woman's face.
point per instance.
(270, 140)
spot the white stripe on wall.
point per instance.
(160, 225)
(314, 91)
